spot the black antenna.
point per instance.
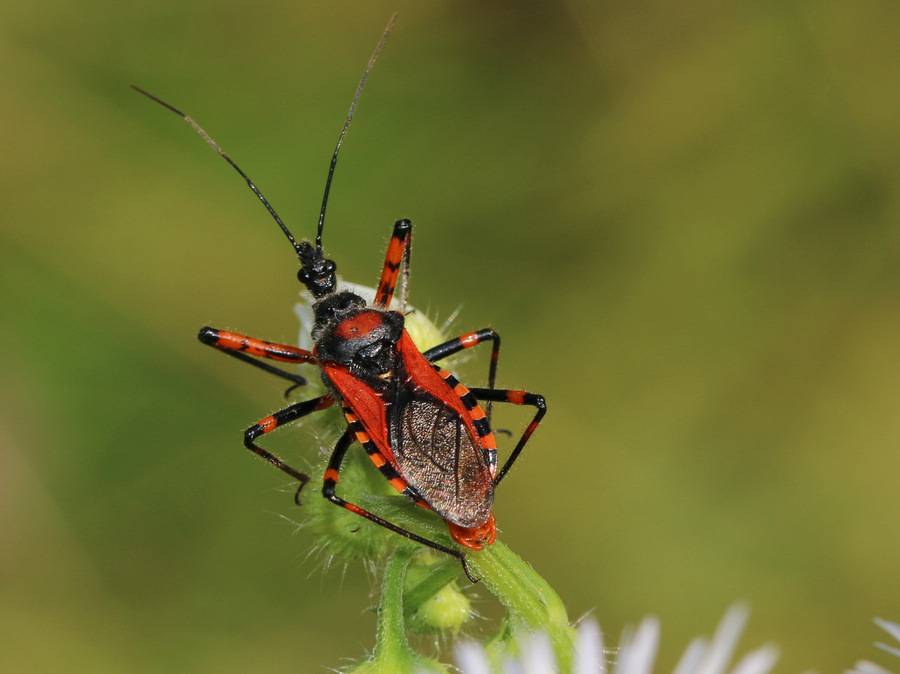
(212, 143)
(224, 156)
(337, 149)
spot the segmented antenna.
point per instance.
(224, 156)
(221, 152)
(337, 149)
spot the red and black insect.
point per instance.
(426, 432)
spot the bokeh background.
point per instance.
(681, 217)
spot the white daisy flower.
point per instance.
(635, 655)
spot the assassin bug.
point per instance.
(426, 432)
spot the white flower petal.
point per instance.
(537, 654)
(512, 666)
(589, 650)
(721, 648)
(693, 656)
(866, 667)
(638, 652)
(471, 658)
(889, 649)
(891, 628)
(759, 661)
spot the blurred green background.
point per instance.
(682, 219)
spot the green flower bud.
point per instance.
(446, 611)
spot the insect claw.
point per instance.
(473, 579)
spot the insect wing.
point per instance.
(367, 406)
(449, 457)
(436, 452)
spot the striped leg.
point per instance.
(467, 341)
(395, 261)
(280, 418)
(332, 475)
(248, 349)
(516, 398)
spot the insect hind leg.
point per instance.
(516, 398)
(332, 476)
(467, 341)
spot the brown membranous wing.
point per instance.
(437, 455)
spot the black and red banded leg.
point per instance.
(276, 420)
(467, 341)
(396, 261)
(332, 476)
(516, 398)
(248, 349)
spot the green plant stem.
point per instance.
(391, 648)
(392, 652)
(531, 602)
